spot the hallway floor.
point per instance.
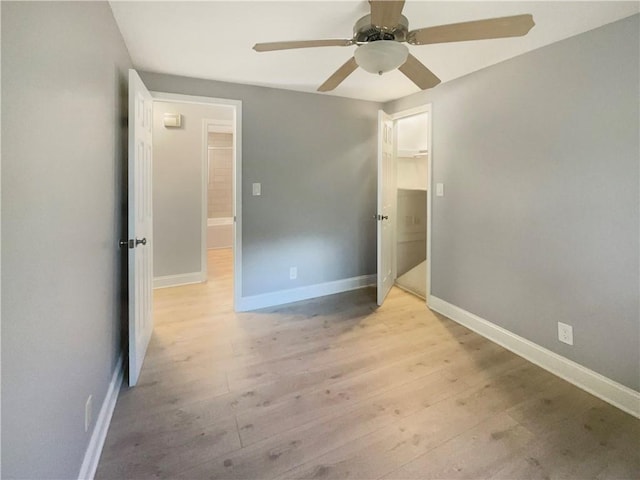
(336, 387)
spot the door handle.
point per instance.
(383, 217)
(132, 243)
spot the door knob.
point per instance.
(131, 243)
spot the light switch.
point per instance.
(256, 189)
(439, 189)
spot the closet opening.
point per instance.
(412, 134)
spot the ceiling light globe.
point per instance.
(381, 56)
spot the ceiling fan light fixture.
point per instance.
(381, 56)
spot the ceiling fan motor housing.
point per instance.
(365, 32)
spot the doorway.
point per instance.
(412, 157)
(404, 186)
(198, 148)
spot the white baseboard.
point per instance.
(281, 297)
(181, 279)
(101, 427)
(602, 387)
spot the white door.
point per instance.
(386, 203)
(140, 224)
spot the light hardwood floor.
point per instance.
(338, 388)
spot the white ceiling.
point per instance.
(214, 39)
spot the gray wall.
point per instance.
(540, 219)
(177, 186)
(63, 98)
(315, 156)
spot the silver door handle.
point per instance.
(132, 243)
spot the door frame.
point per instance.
(237, 181)
(426, 108)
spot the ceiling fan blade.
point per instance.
(268, 47)
(336, 79)
(386, 13)
(415, 71)
(515, 26)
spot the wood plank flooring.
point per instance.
(336, 388)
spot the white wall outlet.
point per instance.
(565, 333)
(293, 273)
(439, 189)
(256, 189)
(88, 413)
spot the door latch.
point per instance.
(132, 243)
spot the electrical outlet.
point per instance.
(293, 273)
(565, 333)
(88, 413)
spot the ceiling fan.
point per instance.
(380, 38)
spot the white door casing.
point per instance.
(386, 202)
(140, 224)
(237, 182)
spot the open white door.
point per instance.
(140, 242)
(386, 202)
